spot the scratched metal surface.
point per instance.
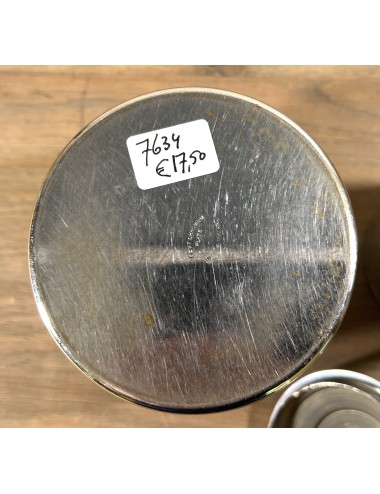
(265, 290)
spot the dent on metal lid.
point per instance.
(192, 250)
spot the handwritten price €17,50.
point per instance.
(172, 154)
(176, 163)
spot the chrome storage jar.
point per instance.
(192, 250)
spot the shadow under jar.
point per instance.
(192, 250)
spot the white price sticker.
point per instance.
(173, 154)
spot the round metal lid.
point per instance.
(333, 404)
(207, 292)
(329, 398)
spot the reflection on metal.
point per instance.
(331, 398)
(203, 294)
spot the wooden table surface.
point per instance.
(42, 108)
